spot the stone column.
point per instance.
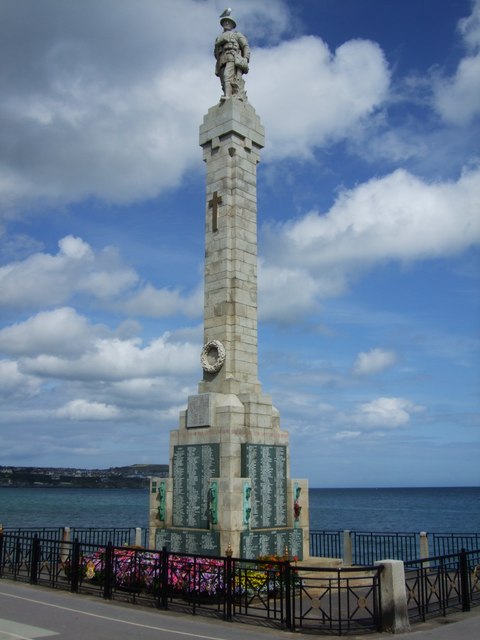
(217, 496)
(231, 137)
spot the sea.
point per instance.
(434, 510)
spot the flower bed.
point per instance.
(137, 570)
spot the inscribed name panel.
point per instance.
(188, 541)
(268, 543)
(199, 412)
(193, 467)
(266, 466)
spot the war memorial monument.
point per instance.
(229, 485)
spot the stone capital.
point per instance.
(232, 117)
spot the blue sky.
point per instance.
(369, 226)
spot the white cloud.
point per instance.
(398, 217)
(148, 394)
(347, 435)
(469, 27)
(62, 351)
(74, 248)
(456, 98)
(285, 294)
(385, 413)
(108, 93)
(44, 279)
(15, 385)
(112, 359)
(373, 361)
(86, 102)
(309, 96)
(58, 332)
(155, 303)
(89, 100)
(91, 411)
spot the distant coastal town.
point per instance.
(130, 477)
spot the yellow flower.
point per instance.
(90, 572)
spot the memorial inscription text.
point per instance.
(193, 467)
(266, 466)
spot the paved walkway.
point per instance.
(28, 613)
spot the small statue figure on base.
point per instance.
(232, 54)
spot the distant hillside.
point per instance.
(135, 476)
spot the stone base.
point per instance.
(229, 484)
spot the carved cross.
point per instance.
(213, 205)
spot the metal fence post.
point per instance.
(442, 579)
(75, 566)
(464, 580)
(287, 572)
(1, 550)
(164, 579)
(34, 559)
(16, 560)
(108, 572)
(228, 579)
(377, 600)
(347, 548)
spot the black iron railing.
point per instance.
(442, 583)
(447, 543)
(118, 536)
(368, 548)
(337, 601)
(46, 533)
(354, 547)
(365, 548)
(277, 592)
(326, 544)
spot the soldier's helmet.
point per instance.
(230, 18)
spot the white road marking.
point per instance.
(96, 615)
(21, 631)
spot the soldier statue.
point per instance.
(232, 54)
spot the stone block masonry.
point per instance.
(231, 137)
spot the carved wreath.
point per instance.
(218, 349)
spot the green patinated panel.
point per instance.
(266, 466)
(193, 467)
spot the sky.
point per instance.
(368, 230)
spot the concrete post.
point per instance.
(424, 550)
(65, 547)
(393, 596)
(138, 536)
(347, 548)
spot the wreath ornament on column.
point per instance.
(213, 356)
